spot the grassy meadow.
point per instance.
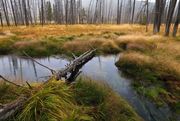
(59, 39)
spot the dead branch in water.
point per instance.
(52, 71)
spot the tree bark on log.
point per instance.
(9, 109)
(75, 66)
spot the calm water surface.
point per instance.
(99, 68)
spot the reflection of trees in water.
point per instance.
(35, 71)
(100, 63)
(14, 64)
(15, 67)
(21, 70)
(10, 67)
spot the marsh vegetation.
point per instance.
(149, 60)
(137, 56)
(85, 100)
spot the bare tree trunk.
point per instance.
(121, 11)
(29, 12)
(42, 12)
(147, 15)
(66, 10)
(5, 13)
(14, 16)
(118, 10)
(1, 19)
(21, 12)
(96, 12)
(177, 21)
(170, 15)
(25, 12)
(134, 5)
(159, 8)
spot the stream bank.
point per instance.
(99, 68)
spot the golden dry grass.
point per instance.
(108, 39)
(154, 73)
(34, 32)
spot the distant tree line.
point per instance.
(34, 12)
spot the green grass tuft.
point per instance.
(82, 101)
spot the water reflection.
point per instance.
(99, 68)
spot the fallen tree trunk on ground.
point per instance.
(70, 73)
(9, 109)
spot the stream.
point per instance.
(99, 68)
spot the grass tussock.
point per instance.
(108, 105)
(8, 93)
(157, 77)
(81, 101)
(53, 102)
(153, 61)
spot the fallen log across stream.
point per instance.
(69, 73)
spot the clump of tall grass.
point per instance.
(110, 47)
(8, 93)
(6, 44)
(151, 74)
(80, 46)
(107, 105)
(84, 100)
(54, 101)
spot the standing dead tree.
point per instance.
(1, 20)
(177, 21)
(5, 10)
(134, 5)
(13, 11)
(119, 11)
(147, 15)
(25, 12)
(172, 6)
(159, 8)
(42, 13)
(29, 12)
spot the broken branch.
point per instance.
(52, 71)
(9, 81)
